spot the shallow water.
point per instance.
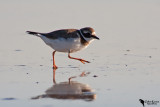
(124, 62)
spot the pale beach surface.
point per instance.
(125, 62)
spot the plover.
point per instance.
(68, 40)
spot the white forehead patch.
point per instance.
(93, 33)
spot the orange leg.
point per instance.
(82, 60)
(54, 65)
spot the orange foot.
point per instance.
(82, 60)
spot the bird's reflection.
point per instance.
(69, 90)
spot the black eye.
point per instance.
(87, 35)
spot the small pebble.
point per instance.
(95, 76)
(17, 50)
(9, 99)
(20, 65)
(108, 89)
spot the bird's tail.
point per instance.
(34, 33)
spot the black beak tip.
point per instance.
(97, 38)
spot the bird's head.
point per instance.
(88, 34)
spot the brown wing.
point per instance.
(64, 33)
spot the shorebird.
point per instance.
(68, 41)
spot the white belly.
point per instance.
(64, 45)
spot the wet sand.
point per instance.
(125, 62)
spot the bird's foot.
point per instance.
(83, 61)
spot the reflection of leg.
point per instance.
(54, 65)
(71, 78)
(82, 60)
(54, 73)
(81, 75)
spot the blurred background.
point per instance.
(126, 59)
